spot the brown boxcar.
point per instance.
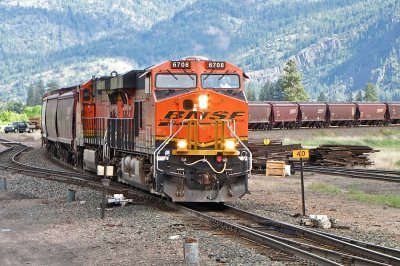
(312, 114)
(370, 114)
(393, 113)
(50, 118)
(284, 115)
(66, 117)
(259, 116)
(341, 114)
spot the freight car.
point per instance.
(371, 114)
(392, 113)
(340, 114)
(312, 114)
(263, 115)
(260, 116)
(177, 129)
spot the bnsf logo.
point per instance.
(202, 115)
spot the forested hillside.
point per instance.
(340, 45)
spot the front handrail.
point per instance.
(172, 135)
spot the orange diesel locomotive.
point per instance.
(178, 129)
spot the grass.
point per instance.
(388, 200)
(358, 195)
(397, 164)
(323, 187)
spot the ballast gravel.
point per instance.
(39, 227)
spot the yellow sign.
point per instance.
(301, 154)
(267, 141)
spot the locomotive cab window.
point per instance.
(220, 81)
(176, 81)
(172, 84)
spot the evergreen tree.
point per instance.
(31, 95)
(322, 97)
(266, 92)
(359, 96)
(35, 93)
(350, 97)
(40, 91)
(16, 107)
(251, 94)
(293, 89)
(371, 94)
(277, 91)
(52, 85)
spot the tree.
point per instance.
(322, 97)
(40, 91)
(52, 85)
(359, 96)
(266, 92)
(16, 107)
(271, 91)
(350, 97)
(31, 95)
(251, 94)
(370, 93)
(33, 110)
(293, 89)
(277, 91)
(35, 93)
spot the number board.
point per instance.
(215, 65)
(301, 154)
(180, 64)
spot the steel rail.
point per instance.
(366, 250)
(247, 233)
(318, 255)
(352, 173)
(385, 250)
(360, 170)
(26, 168)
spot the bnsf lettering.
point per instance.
(174, 114)
(200, 115)
(236, 114)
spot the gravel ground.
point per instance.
(280, 198)
(38, 226)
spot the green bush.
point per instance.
(7, 117)
(33, 110)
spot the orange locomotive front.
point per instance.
(200, 130)
(178, 129)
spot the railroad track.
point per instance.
(9, 161)
(308, 244)
(305, 244)
(383, 175)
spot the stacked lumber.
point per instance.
(340, 155)
(274, 151)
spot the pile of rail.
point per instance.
(340, 155)
(275, 150)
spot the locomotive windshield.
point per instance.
(176, 81)
(221, 81)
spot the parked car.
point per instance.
(17, 127)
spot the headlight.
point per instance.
(182, 144)
(203, 102)
(229, 145)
